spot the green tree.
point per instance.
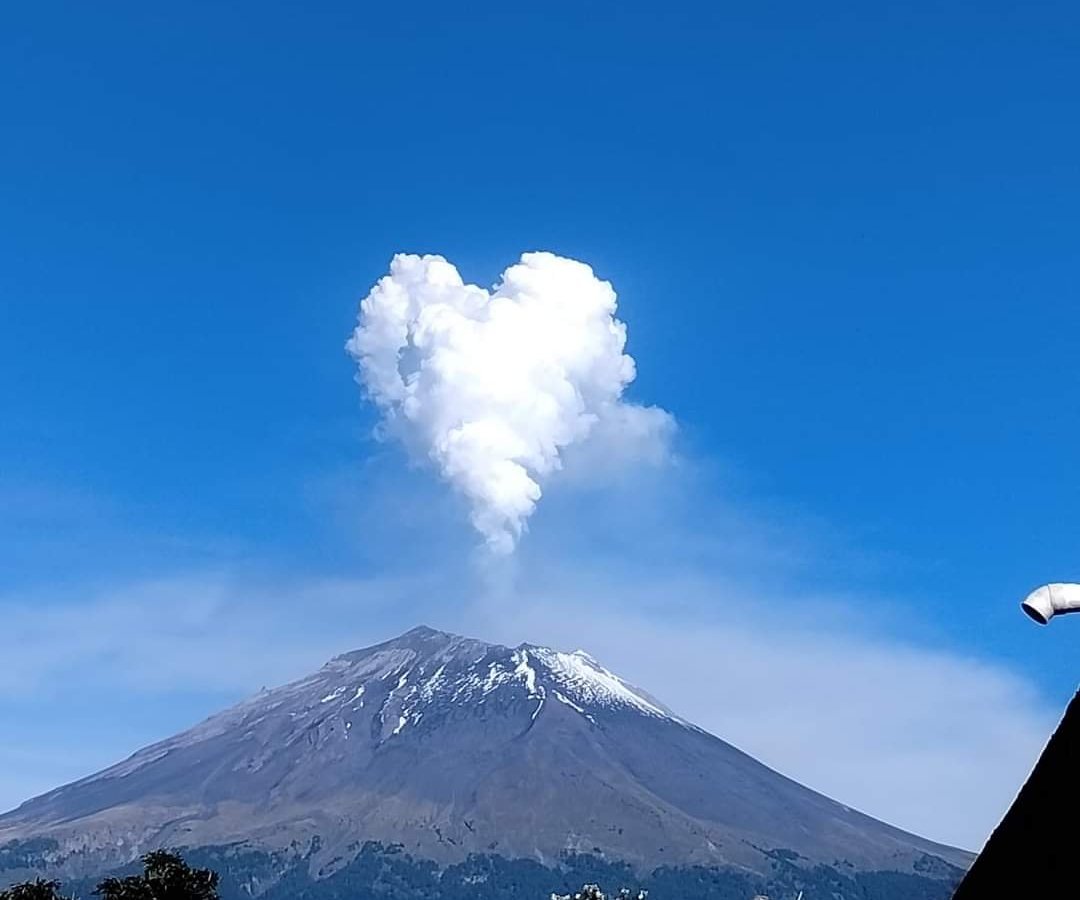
(165, 876)
(38, 889)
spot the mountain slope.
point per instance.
(450, 746)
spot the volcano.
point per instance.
(447, 747)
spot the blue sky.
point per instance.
(844, 241)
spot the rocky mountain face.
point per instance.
(447, 747)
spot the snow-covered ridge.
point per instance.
(588, 683)
(393, 687)
(530, 673)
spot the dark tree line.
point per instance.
(165, 876)
(389, 873)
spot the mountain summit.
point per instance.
(448, 746)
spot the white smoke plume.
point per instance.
(493, 386)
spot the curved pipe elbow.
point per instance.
(1050, 600)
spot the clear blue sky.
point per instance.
(844, 236)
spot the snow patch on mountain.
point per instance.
(454, 675)
(591, 685)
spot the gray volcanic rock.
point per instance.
(451, 746)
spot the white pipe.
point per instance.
(1042, 604)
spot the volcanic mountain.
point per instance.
(446, 746)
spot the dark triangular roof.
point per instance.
(1035, 851)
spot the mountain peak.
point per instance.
(433, 671)
(422, 640)
(427, 631)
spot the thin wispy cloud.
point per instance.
(718, 615)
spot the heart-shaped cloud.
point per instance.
(493, 386)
